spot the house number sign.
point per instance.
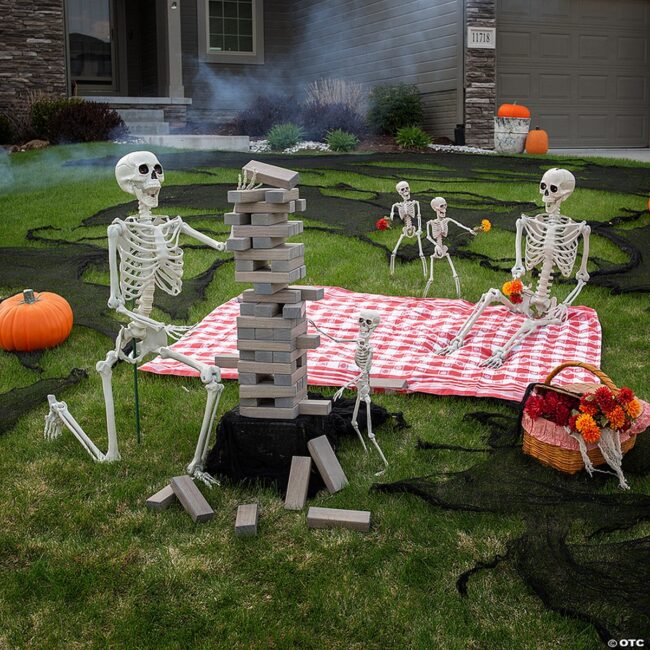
(481, 37)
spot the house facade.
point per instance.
(581, 66)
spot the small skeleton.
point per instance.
(437, 230)
(551, 241)
(368, 322)
(149, 257)
(409, 212)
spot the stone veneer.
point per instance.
(480, 79)
(32, 50)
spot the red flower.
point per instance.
(382, 224)
(625, 395)
(562, 414)
(588, 405)
(572, 422)
(515, 298)
(534, 406)
(605, 399)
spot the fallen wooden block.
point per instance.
(298, 483)
(338, 518)
(191, 499)
(315, 407)
(327, 463)
(162, 499)
(226, 360)
(275, 176)
(388, 386)
(246, 522)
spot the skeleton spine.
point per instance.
(550, 244)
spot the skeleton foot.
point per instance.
(199, 474)
(355, 426)
(454, 345)
(373, 439)
(495, 361)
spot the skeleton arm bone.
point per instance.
(331, 338)
(116, 299)
(471, 231)
(518, 269)
(419, 217)
(582, 276)
(392, 211)
(204, 239)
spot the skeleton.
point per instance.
(149, 257)
(437, 230)
(551, 241)
(368, 322)
(409, 212)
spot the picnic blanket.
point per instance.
(404, 343)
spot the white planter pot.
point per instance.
(510, 134)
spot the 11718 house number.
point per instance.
(481, 37)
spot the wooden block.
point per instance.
(295, 310)
(238, 244)
(246, 522)
(264, 335)
(283, 266)
(226, 360)
(261, 356)
(290, 402)
(262, 243)
(282, 196)
(276, 369)
(328, 464)
(267, 309)
(308, 341)
(298, 485)
(266, 208)
(251, 265)
(246, 333)
(388, 385)
(280, 296)
(267, 390)
(283, 356)
(247, 309)
(259, 322)
(263, 276)
(310, 293)
(248, 378)
(246, 355)
(162, 499)
(236, 219)
(301, 205)
(288, 379)
(274, 176)
(288, 229)
(248, 402)
(268, 288)
(269, 218)
(338, 518)
(315, 407)
(282, 252)
(266, 346)
(248, 196)
(269, 412)
(290, 335)
(191, 498)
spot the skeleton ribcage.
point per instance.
(554, 240)
(150, 255)
(362, 355)
(406, 212)
(438, 228)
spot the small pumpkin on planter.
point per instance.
(537, 141)
(33, 321)
(513, 110)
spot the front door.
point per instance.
(91, 47)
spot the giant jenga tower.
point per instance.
(272, 334)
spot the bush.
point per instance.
(339, 140)
(80, 121)
(283, 136)
(319, 119)
(7, 133)
(412, 137)
(43, 110)
(264, 112)
(392, 107)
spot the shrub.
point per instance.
(412, 137)
(336, 91)
(319, 119)
(392, 107)
(283, 136)
(7, 133)
(82, 121)
(263, 113)
(42, 111)
(339, 140)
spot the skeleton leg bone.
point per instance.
(422, 257)
(105, 369)
(454, 275)
(394, 254)
(372, 436)
(355, 424)
(430, 280)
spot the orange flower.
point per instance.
(633, 408)
(616, 417)
(587, 426)
(485, 225)
(517, 286)
(507, 288)
(589, 408)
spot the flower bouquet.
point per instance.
(581, 426)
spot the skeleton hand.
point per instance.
(53, 424)
(197, 473)
(453, 345)
(495, 361)
(338, 394)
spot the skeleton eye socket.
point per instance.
(542, 186)
(143, 169)
(158, 169)
(553, 188)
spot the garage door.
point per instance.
(582, 66)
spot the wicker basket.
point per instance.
(561, 458)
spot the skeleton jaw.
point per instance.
(148, 193)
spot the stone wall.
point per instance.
(32, 50)
(480, 79)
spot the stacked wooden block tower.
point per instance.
(272, 334)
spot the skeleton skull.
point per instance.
(368, 321)
(141, 174)
(403, 190)
(556, 186)
(439, 206)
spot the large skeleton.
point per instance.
(368, 321)
(144, 254)
(409, 212)
(551, 241)
(437, 230)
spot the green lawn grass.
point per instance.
(84, 564)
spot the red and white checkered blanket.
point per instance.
(404, 343)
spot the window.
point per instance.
(231, 31)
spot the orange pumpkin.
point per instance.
(537, 141)
(33, 321)
(513, 110)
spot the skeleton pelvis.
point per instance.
(146, 340)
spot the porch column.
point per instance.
(174, 54)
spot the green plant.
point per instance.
(392, 107)
(7, 133)
(283, 136)
(339, 140)
(412, 137)
(42, 111)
